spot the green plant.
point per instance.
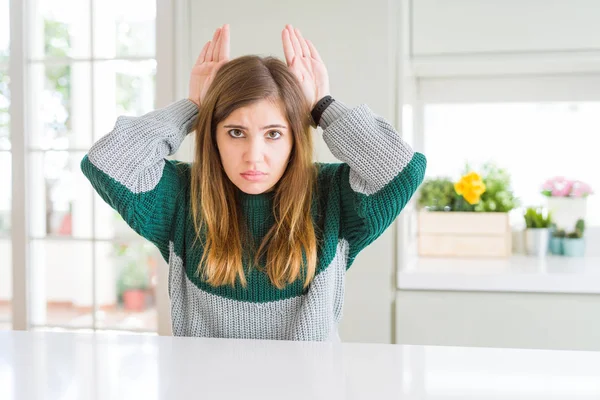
(131, 260)
(134, 276)
(498, 195)
(559, 233)
(579, 230)
(437, 194)
(535, 218)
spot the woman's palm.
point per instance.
(214, 54)
(306, 64)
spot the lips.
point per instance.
(253, 176)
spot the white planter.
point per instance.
(537, 241)
(567, 210)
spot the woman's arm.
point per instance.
(379, 175)
(380, 171)
(127, 167)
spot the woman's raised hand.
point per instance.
(213, 56)
(306, 64)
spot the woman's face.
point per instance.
(255, 143)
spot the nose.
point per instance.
(254, 151)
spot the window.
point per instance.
(533, 141)
(88, 63)
(5, 175)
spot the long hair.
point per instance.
(290, 245)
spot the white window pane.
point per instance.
(126, 284)
(61, 283)
(5, 241)
(60, 106)
(4, 30)
(122, 88)
(59, 29)
(60, 196)
(4, 113)
(532, 141)
(5, 193)
(124, 28)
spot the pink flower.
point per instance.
(559, 186)
(581, 189)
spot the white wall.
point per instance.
(493, 50)
(471, 27)
(509, 320)
(358, 42)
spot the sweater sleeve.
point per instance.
(379, 173)
(128, 169)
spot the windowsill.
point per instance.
(518, 273)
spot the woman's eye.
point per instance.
(236, 133)
(274, 135)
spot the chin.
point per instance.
(254, 188)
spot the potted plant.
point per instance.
(437, 194)
(566, 199)
(556, 241)
(134, 277)
(476, 221)
(574, 242)
(537, 232)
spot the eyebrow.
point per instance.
(263, 128)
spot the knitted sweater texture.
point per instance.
(356, 200)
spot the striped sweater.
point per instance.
(357, 200)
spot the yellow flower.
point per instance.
(470, 187)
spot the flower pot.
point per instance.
(537, 241)
(134, 299)
(567, 210)
(574, 247)
(464, 234)
(556, 246)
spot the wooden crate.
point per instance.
(464, 234)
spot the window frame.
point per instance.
(166, 91)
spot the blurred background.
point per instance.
(500, 247)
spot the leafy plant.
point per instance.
(498, 196)
(131, 260)
(493, 195)
(559, 233)
(535, 218)
(579, 230)
(437, 194)
(134, 276)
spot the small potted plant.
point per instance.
(556, 241)
(566, 199)
(574, 242)
(537, 233)
(437, 194)
(134, 275)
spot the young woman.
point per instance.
(258, 237)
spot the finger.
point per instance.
(225, 47)
(216, 48)
(313, 51)
(288, 50)
(305, 49)
(211, 47)
(202, 55)
(295, 42)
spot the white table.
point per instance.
(49, 365)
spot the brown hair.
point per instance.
(290, 245)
